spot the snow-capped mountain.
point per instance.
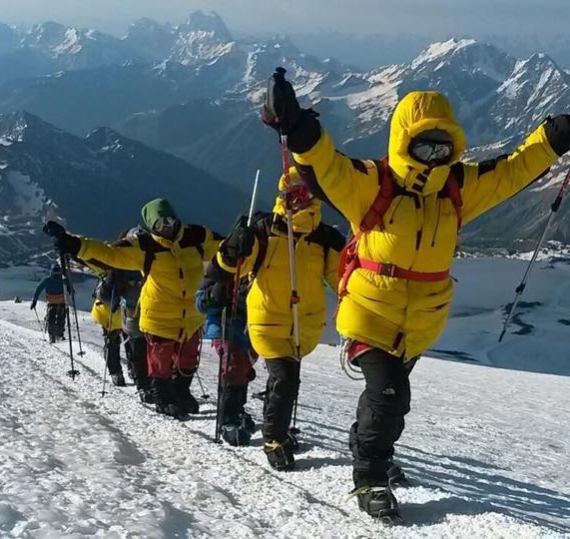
(70, 47)
(150, 38)
(97, 185)
(197, 96)
(201, 38)
(496, 98)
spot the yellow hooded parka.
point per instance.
(401, 316)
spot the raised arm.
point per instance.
(487, 184)
(349, 185)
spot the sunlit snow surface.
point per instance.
(486, 448)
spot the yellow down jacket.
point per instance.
(167, 298)
(401, 316)
(317, 253)
(100, 313)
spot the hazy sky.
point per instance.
(425, 17)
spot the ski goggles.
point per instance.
(430, 152)
(298, 197)
(166, 226)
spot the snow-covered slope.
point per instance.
(76, 464)
(537, 337)
(486, 443)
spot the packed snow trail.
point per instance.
(487, 450)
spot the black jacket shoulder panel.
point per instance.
(192, 236)
(334, 239)
(327, 237)
(489, 164)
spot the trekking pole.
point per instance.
(520, 288)
(253, 198)
(68, 289)
(42, 327)
(228, 354)
(205, 395)
(220, 371)
(108, 340)
(222, 384)
(81, 352)
(295, 299)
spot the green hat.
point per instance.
(155, 209)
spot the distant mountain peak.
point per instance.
(440, 49)
(210, 23)
(541, 59)
(47, 34)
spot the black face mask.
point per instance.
(430, 152)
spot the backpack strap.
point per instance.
(375, 214)
(148, 245)
(373, 217)
(262, 230)
(452, 190)
(328, 237)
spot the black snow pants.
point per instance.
(379, 416)
(112, 350)
(135, 348)
(281, 392)
(55, 319)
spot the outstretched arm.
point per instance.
(95, 252)
(489, 183)
(111, 256)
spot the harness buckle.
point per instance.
(387, 270)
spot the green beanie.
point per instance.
(155, 209)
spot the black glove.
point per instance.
(239, 244)
(63, 242)
(33, 305)
(282, 112)
(557, 131)
(220, 295)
